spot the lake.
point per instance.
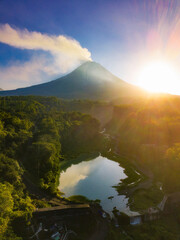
(94, 179)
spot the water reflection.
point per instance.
(94, 179)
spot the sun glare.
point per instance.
(159, 76)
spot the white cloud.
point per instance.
(28, 73)
(65, 54)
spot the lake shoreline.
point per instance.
(111, 196)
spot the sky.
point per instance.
(44, 39)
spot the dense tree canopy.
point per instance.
(36, 134)
(145, 130)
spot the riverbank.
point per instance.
(134, 176)
(142, 191)
(139, 198)
(68, 161)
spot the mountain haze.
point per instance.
(89, 81)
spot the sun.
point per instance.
(159, 76)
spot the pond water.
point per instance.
(94, 179)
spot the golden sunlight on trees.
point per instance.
(172, 166)
(6, 205)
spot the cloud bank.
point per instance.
(63, 53)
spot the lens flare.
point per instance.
(159, 76)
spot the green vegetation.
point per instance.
(142, 199)
(166, 228)
(40, 136)
(79, 199)
(115, 234)
(83, 199)
(14, 202)
(172, 159)
(133, 177)
(82, 157)
(36, 135)
(144, 131)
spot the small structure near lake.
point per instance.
(134, 220)
(152, 213)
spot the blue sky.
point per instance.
(119, 34)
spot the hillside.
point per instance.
(36, 135)
(89, 81)
(148, 132)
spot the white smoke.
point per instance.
(65, 54)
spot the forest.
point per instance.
(148, 132)
(36, 135)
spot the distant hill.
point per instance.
(1, 89)
(89, 81)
